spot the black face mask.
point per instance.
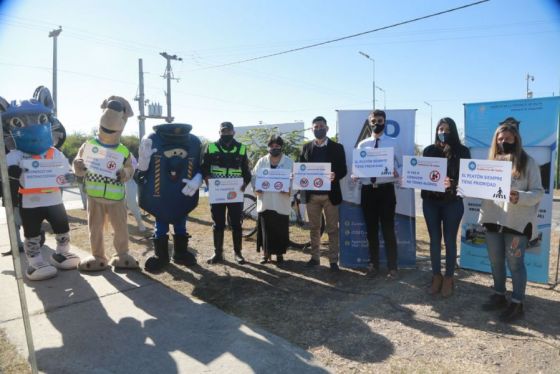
(226, 139)
(275, 152)
(506, 148)
(320, 133)
(378, 128)
(443, 137)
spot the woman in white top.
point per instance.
(510, 225)
(273, 207)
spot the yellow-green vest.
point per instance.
(221, 171)
(100, 186)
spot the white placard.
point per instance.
(373, 162)
(225, 190)
(44, 173)
(102, 161)
(485, 179)
(273, 180)
(425, 173)
(312, 176)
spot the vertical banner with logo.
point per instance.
(538, 128)
(353, 241)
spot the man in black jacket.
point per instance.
(226, 158)
(323, 149)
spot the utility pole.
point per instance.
(141, 100)
(169, 75)
(54, 34)
(527, 78)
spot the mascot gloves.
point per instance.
(145, 153)
(192, 185)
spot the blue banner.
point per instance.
(539, 123)
(354, 251)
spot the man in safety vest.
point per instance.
(226, 158)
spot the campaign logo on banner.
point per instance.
(538, 119)
(352, 128)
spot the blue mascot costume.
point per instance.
(168, 178)
(31, 132)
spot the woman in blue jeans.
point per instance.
(444, 208)
(510, 225)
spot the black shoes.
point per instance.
(218, 248)
(334, 267)
(181, 254)
(216, 259)
(239, 258)
(312, 263)
(160, 259)
(513, 312)
(495, 302)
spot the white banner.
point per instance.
(225, 190)
(312, 176)
(373, 162)
(273, 180)
(44, 173)
(485, 179)
(424, 173)
(102, 161)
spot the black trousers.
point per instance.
(31, 219)
(378, 206)
(234, 211)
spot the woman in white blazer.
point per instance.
(273, 207)
(511, 225)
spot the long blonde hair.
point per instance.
(518, 157)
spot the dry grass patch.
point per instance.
(10, 361)
(353, 323)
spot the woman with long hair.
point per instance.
(444, 209)
(511, 225)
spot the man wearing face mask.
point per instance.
(226, 158)
(379, 199)
(323, 149)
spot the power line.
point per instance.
(344, 37)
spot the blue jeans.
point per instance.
(449, 213)
(504, 247)
(179, 227)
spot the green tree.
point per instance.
(256, 141)
(73, 143)
(132, 143)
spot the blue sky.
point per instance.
(482, 53)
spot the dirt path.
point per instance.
(354, 323)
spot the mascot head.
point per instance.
(116, 111)
(174, 144)
(30, 125)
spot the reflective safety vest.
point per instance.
(224, 163)
(100, 186)
(27, 191)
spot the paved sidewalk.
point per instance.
(124, 322)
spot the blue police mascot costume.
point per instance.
(31, 132)
(168, 178)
